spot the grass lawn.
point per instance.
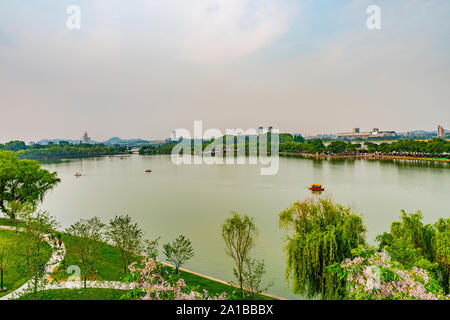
(10, 223)
(76, 294)
(13, 279)
(108, 265)
(109, 268)
(213, 287)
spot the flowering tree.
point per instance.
(371, 276)
(151, 280)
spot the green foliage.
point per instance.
(179, 251)
(14, 275)
(337, 147)
(370, 275)
(322, 233)
(15, 145)
(89, 235)
(36, 226)
(238, 233)
(412, 243)
(127, 237)
(107, 267)
(76, 294)
(435, 147)
(432, 147)
(61, 150)
(5, 259)
(299, 138)
(253, 273)
(22, 183)
(158, 149)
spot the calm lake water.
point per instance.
(195, 200)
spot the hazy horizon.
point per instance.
(139, 69)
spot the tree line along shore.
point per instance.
(407, 149)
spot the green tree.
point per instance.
(337, 147)
(88, 233)
(15, 145)
(22, 182)
(441, 248)
(371, 147)
(321, 233)
(179, 251)
(315, 146)
(299, 138)
(414, 244)
(253, 273)
(5, 258)
(239, 233)
(36, 226)
(127, 237)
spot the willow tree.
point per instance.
(320, 233)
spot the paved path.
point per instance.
(59, 254)
(56, 258)
(89, 284)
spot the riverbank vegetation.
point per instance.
(62, 150)
(327, 255)
(23, 184)
(239, 234)
(89, 258)
(23, 255)
(321, 233)
(435, 148)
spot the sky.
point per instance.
(141, 68)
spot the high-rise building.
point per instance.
(260, 130)
(440, 132)
(174, 135)
(86, 138)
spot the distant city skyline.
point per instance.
(144, 68)
(173, 136)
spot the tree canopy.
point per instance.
(22, 182)
(321, 233)
(238, 233)
(414, 244)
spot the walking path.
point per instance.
(58, 255)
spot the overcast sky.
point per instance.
(143, 68)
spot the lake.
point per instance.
(194, 200)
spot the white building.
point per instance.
(260, 130)
(174, 135)
(86, 138)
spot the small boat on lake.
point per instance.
(148, 170)
(77, 174)
(316, 187)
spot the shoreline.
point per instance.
(13, 228)
(360, 156)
